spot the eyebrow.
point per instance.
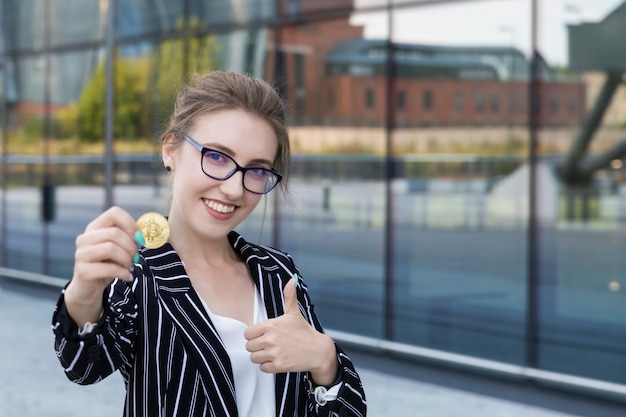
(229, 152)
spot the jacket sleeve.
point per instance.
(350, 397)
(90, 358)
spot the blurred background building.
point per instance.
(458, 189)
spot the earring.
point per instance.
(167, 168)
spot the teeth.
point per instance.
(220, 207)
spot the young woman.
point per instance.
(207, 324)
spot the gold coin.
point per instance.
(155, 229)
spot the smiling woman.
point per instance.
(207, 324)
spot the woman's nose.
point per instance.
(233, 186)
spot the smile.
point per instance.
(220, 208)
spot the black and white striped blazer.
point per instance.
(156, 332)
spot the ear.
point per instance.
(167, 151)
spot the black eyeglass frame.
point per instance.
(204, 149)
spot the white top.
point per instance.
(254, 389)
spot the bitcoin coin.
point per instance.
(155, 229)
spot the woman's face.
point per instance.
(204, 206)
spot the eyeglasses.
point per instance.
(220, 166)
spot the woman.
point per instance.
(207, 324)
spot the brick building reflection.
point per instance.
(333, 76)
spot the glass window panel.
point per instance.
(3, 43)
(215, 12)
(25, 243)
(581, 247)
(459, 101)
(459, 195)
(243, 51)
(427, 100)
(401, 103)
(61, 22)
(333, 221)
(75, 144)
(17, 28)
(72, 21)
(138, 17)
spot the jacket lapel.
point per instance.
(265, 273)
(196, 330)
(270, 277)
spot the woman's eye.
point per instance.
(259, 172)
(214, 157)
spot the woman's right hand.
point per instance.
(103, 252)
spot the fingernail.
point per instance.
(132, 267)
(136, 258)
(139, 238)
(131, 278)
(296, 277)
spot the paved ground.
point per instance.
(33, 384)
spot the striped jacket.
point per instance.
(156, 332)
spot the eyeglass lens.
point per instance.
(255, 179)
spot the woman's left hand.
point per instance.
(288, 343)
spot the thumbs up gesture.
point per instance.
(288, 343)
(291, 297)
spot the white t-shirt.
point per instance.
(254, 389)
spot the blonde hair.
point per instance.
(220, 90)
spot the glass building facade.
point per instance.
(457, 184)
